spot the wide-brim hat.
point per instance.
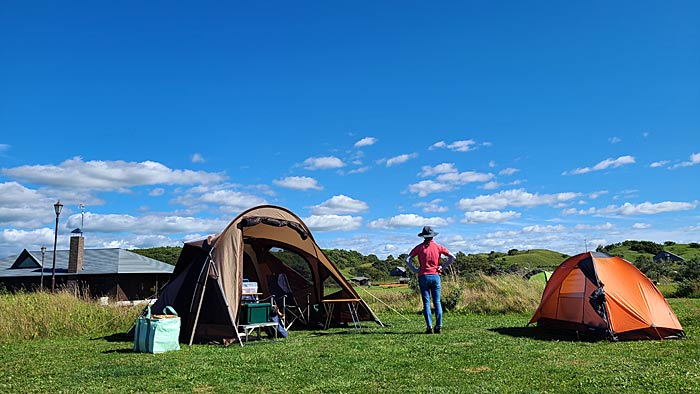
(427, 232)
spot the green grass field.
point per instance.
(475, 353)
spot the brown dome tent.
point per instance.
(262, 242)
(605, 296)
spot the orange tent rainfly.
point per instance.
(606, 296)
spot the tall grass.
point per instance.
(37, 315)
(484, 295)
(491, 294)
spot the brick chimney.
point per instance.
(75, 257)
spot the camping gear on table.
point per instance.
(608, 297)
(157, 333)
(207, 284)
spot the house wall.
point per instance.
(116, 287)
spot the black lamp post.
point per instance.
(57, 208)
(41, 283)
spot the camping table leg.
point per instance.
(352, 307)
(329, 305)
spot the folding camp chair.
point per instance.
(285, 300)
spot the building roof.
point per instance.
(95, 262)
(666, 255)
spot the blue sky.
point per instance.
(501, 124)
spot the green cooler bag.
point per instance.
(157, 333)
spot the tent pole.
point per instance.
(199, 304)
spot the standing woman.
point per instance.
(428, 253)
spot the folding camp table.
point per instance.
(329, 306)
(248, 329)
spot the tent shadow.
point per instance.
(543, 334)
(365, 331)
(118, 337)
(120, 351)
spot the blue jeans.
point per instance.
(430, 287)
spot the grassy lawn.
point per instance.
(475, 353)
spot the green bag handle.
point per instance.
(166, 309)
(148, 314)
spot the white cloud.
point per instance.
(400, 159)
(515, 197)
(457, 146)
(491, 185)
(108, 175)
(465, 177)
(423, 188)
(508, 171)
(641, 226)
(694, 160)
(4, 147)
(339, 204)
(489, 216)
(359, 170)
(629, 209)
(597, 194)
(298, 182)
(492, 164)
(607, 163)
(197, 158)
(658, 164)
(367, 141)
(159, 191)
(443, 168)
(648, 208)
(148, 224)
(220, 196)
(407, 220)
(605, 226)
(324, 223)
(323, 163)
(432, 206)
(615, 140)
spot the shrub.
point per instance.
(688, 289)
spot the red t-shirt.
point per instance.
(429, 256)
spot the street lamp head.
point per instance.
(43, 249)
(57, 207)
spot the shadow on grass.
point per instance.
(543, 334)
(366, 331)
(130, 350)
(118, 337)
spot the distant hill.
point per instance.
(633, 250)
(166, 254)
(532, 258)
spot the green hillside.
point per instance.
(633, 250)
(532, 258)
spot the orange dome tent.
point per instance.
(605, 296)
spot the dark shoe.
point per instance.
(437, 330)
(428, 330)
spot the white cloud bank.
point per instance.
(108, 175)
(457, 146)
(489, 216)
(515, 198)
(340, 204)
(298, 182)
(325, 223)
(367, 141)
(407, 220)
(629, 209)
(323, 163)
(607, 163)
